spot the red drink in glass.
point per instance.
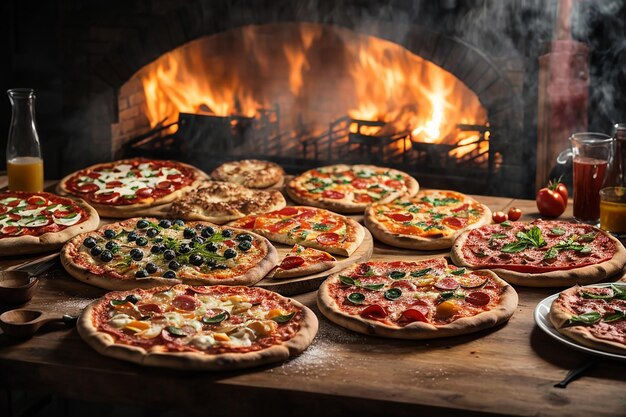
(588, 179)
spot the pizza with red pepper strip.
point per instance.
(594, 316)
(198, 328)
(544, 253)
(308, 226)
(301, 261)
(40, 222)
(132, 187)
(431, 220)
(350, 188)
(415, 300)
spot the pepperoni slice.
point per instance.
(61, 214)
(114, 184)
(360, 184)
(106, 197)
(174, 177)
(14, 203)
(327, 239)
(249, 224)
(3, 209)
(306, 214)
(14, 216)
(394, 184)
(164, 185)
(144, 192)
(88, 188)
(447, 284)
(363, 198)
(291, 262)
(10, 230)
(93, 175)
(400, 217)
(285, 224)
(288, 211)
(202, 289)
(462, 208)
(374, 312)
(453, 222)
(144, 309)
(478, 298)
(36, 200)
(332, 194)
(411, 315)
(185, 302)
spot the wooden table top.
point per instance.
(509, 370)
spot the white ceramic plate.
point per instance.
(543, 321)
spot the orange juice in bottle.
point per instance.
(24, 162)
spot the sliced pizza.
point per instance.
(309, 226)
(250, 173)
(303, 261)
(431, 220)
(350, 188)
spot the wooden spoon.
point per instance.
(17, 287)
(23, 323)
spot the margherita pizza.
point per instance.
(303, 261)
(542, 253)
(149, 252)
(415, 300)
(198, 328)
(131, 187)
(431, 220)
(350, 188)
(221, 202)
(594, 316)
(39, 222)
(250, 173)
(311, 227)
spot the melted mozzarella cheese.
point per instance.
(120, 320)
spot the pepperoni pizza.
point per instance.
(303, 261)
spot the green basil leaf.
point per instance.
(346, 280)
(551, 254)
(557, 231)
(585, 250)
(619, 292)
(614, 317)
(321, 227)
(118, 302)
(393, 294)
(218, 318)
(588, 237)
(498, 236)
(514, 247)
(356, 298)
(175, 331)
(459, 271)
(446, 295)
(506, 224)
(586, 318)
(481, 253)
(373, 287)
(283, 318)
(421, 272)
(397, 274)
(596, 296)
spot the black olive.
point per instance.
(179, 222)
(152, 232)
(211, 247)
(184, 248)
(173, 265)
(136, 254)
(244, 236)
(90, 242)
(106, 256)
(142, 273)
(189, 233)
(96, 251)
(207, 232)
(211, 262)
(244, 245)
(111, 245)
(157, 239)
(169, 255)
(109, 234)
(151, 268)
(199, 226)
(142, 224)
(166, 224)
(142, 241)
(132, 298)
(197, 240)
(156, 249)
(132, 236)
(196, 260)
(221, 266)
(169, 274)
(229, 253)
(227, 233)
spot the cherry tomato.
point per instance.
(552, 200)
(562, 189)
(499, 217)
(514, 214)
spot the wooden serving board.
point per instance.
(300, 285)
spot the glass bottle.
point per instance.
(24, 162)
(613, 196)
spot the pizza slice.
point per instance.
(303, 261)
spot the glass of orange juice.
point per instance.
(613, 210)
(24, 161)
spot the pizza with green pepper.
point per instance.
(146, 252)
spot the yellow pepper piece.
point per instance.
(262, 329)
(447, 309)
(276, 312)
(137, 326)
(221, 337)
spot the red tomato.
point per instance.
(363, 198)
(562, 189)
(335, 195)
(291, 262)
(550, 202)
(514, 214)
(499, 217)
(394, 184)
(360, 184)
(249, 224)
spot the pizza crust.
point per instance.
(419, 330)
(418, 242)
(559, 316)
(138, 209)
(584, 275)
(105, 344)
(22, 245)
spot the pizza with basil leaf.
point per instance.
(350, 188)
(542, 253)
(415, 300)
(301, 261)
(146, 252)
(431, 220)
(40, 222)
(132, 187)
(198, 327)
